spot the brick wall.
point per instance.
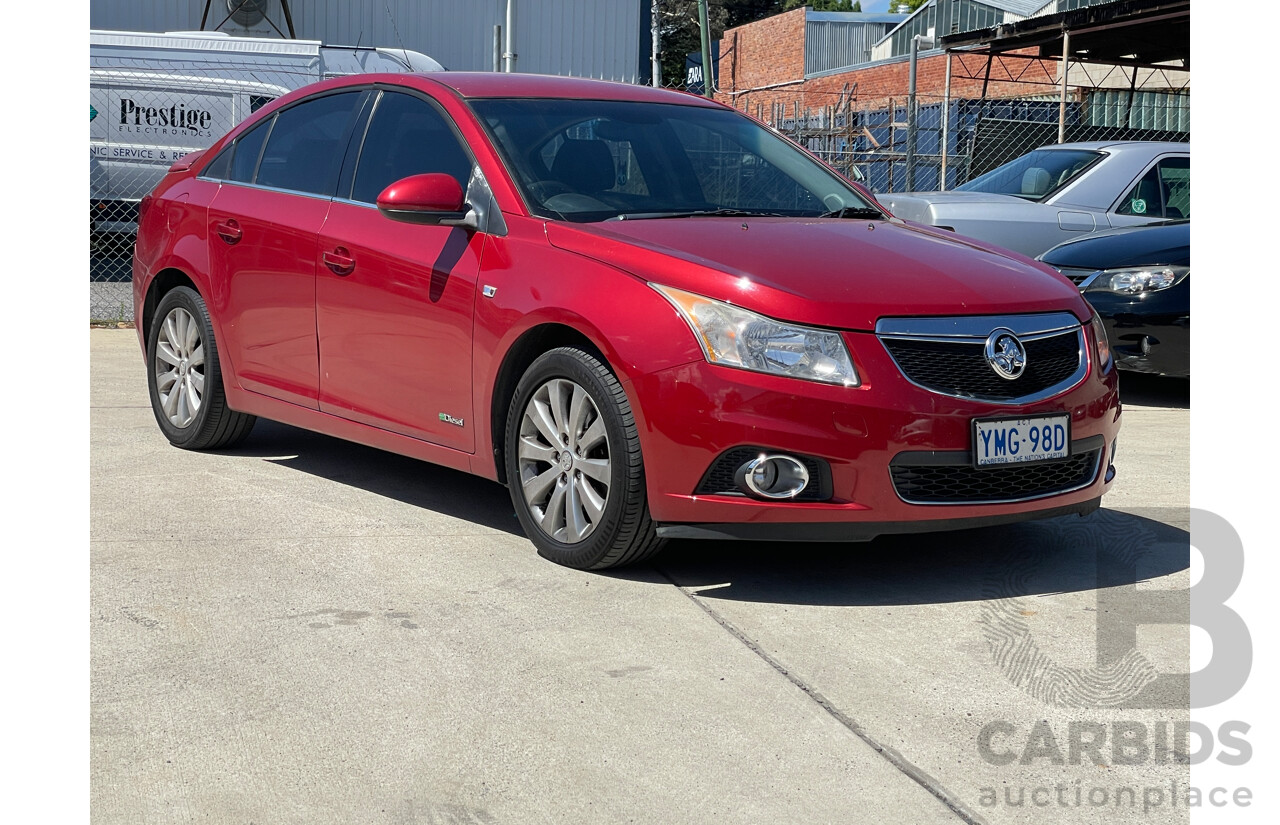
(762, 73)
(763, 53)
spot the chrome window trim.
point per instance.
(973, 330)
(1088, 282)
(261, 188)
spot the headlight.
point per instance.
(735, 337)
(1136, 280)
(1100, 338)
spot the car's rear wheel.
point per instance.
(573, 464)
(185, 377)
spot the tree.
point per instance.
(679, 28)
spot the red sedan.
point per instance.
(645, 313)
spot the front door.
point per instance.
(394, 300)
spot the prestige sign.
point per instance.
(154, 120)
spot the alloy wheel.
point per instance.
(564, 461)
(179, 366)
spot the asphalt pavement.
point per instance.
(307, 630)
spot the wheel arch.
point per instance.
(163, 283)
(524, 351)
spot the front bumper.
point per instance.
(1149, 333)
(691, 414)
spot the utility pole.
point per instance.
(912, 115)
(509, 54)
(707, 89)
(655, 34)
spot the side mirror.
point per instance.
(433, 198)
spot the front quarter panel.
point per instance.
(534, 285)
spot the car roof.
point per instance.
(473, 85)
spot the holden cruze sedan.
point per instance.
(645, 313)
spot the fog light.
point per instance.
(772, 477)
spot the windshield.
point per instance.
(595, 160)
(1034, 175)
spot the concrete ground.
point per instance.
(305, 630)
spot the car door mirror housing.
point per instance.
(433, 198)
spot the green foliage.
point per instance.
(679, 28)
(823, 5)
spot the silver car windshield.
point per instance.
(596, 160)
(1035, 175)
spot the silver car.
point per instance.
(1059, 192)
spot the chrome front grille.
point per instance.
(1075, 274)
(947, 355)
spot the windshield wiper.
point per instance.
(854, 212)
(697, 213)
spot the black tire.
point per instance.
(622, 531)
(212, 425)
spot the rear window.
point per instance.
(1034, 175)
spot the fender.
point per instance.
(617, 320)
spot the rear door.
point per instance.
(1162, 193)
(263, 229)
(394, 300)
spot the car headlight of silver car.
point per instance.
(1136, 280)
(735, 337)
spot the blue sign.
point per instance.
(693, 74)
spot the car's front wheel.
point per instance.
(185, 377)
(573, 464)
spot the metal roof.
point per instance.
(854, 17)
(1022, 8)
(1128, 32)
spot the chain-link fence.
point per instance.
(859, 122)
(144, 114)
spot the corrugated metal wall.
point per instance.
(945, 17)
(833, 45)
(1166, 111)
(606, 39)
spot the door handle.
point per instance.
(229, 231)
(340, 261)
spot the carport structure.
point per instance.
(1117, 51)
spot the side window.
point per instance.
(306, 146)
(1163, 192)
(1175, 180)
(407, 136)
(245, 151)
(221, 165)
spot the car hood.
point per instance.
(844, 274)
(914, 206)
(1131, 246)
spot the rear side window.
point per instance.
(245, 151)
(1164, 192)
(407, 136)
(306, 145)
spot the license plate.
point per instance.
(1019, 440)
